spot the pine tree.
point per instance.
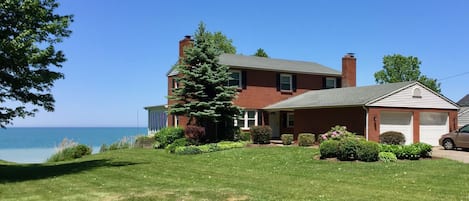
(204, 96)
(261, 53)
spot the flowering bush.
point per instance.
(336, 133)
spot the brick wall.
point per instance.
(318, 121)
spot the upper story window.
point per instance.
(285, 82)
(235, 78)
(331, 82)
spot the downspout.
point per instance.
(366, 124)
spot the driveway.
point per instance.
(457, 155)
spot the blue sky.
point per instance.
(120, 51)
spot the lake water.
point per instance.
(35, 145)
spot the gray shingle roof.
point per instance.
(269, 64)
(350, 96)
(278, 65)
(464, 101)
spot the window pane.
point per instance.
(241, 123)
(251, 114)
(330, 83)
(233, 83)
(285, 79)
(251, 123)
(285, 86)
(235, 75)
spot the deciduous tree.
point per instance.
(398, 68)
(29, 30)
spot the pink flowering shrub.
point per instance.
(336, 133)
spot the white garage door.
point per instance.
(432, 126)
(398, 121)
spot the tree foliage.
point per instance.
(222, 42)
(204, 96)
(261, 53)
(398, 68)
(29, 29)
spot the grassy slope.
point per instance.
(275, 173)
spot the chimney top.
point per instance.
(350, 54)
(187, 37)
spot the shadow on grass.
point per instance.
(25, 172)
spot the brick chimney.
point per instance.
(187, 41)
(349, 70)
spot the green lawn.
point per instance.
(267, 173)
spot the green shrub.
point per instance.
(103, 148)
(336, 133)
(305, 139)
(425, 149)
(70, 153)
(287, 139)
(177, 143)
(168, 135)
(261, 134)
(392, 137)
(224, 145)
(412, 152)
(144, 142)
(188, 150)
(368, 151)
(387, 157)
(206, 148)
(244, 136)
(328, 149)
(194, 134)
(157, 145)
(347, 149)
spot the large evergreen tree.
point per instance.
(204, 96)
(29, 30)
(398, 68)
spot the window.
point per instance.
(235, 78)
(247, 119)
(290, 119)
(417, 93)
(331, 82)
(285, 82)
(464, 129)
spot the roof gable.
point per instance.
(414, 95)
(464, 101)
(269, 64)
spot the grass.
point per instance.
(265, 173)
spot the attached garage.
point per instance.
(399, 122)
(432, 126)
(421, 114)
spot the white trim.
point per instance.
(290, 82)
(246, 119)
(175, 120)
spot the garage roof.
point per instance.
(350, 96)
(269, 64)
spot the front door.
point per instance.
(274, 123)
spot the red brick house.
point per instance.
(280, 93)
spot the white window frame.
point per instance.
(331, 79)
(240, 81)
(175, 83)
(246, 119)
(290, 82)
(289, 116)
(175, 120)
